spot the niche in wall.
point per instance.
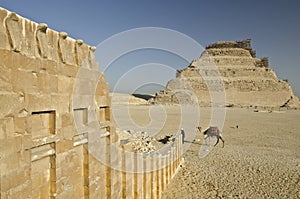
(42, 123)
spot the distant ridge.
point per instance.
(143, 96)
(134, 99)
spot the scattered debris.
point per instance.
(143, 143)
(137, 141)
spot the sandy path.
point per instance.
(261, 159)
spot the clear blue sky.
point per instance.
(273, 26)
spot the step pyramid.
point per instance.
(229, 74)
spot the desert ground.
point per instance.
(261, 158)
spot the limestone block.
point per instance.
(47, 66)
(81, 54)
(114, 138)
(102, 78)
(240, 52)
(67, 119)
(171, 162)
(78, 190)
(68, 132)
(116, 187)
(65, 85)
(140, 176)
(92, 60)
(52, 37)
(23, 190)
(102, 101)
(129, 185)
(58, 175)
(80, 117)
(102, 114)
(92, 117)
(60, 103)
(145, 176)
(5, 78)
(23, 62)
(38, 102)
(4, 44)
(67, 70)
(102, 87)
(66, 49)
(61, 46)
(15, 160)
(6, 58)
(153, 177)
(84, 87)
(14, 30)
(7, 125)
(40, 177)
(168, 168)
(29, 43)
(13, 179)
(42, 40)
(159, 176)
(3, 134)
(89, 74)
(25, 81)
(11, 103)
(20, 124)
(71, 163)
(63, 146)
(59, 187)
(47, 83)
(80, 101)
(75, 156)
(26, 142)
(42, 124)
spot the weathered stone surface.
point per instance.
(82, 51)
(66, 48)
(137, 141)
(92, 61)
(35, 112)
(14, 30)
(232, 66)
(54, 106)
(42, 40)
(29, 44)
(3, 36)
(52, 37)
(11, 104)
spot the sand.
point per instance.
(261, 158)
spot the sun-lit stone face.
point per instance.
(41, 153)
(247, 80)
(56, 131)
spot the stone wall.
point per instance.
(244, 44)
(55, 120)
(247, 80)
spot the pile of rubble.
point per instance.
(137, 141)
(143, 143)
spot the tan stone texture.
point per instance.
(247, 81)
(54, 102)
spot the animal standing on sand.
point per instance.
(212, 132)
